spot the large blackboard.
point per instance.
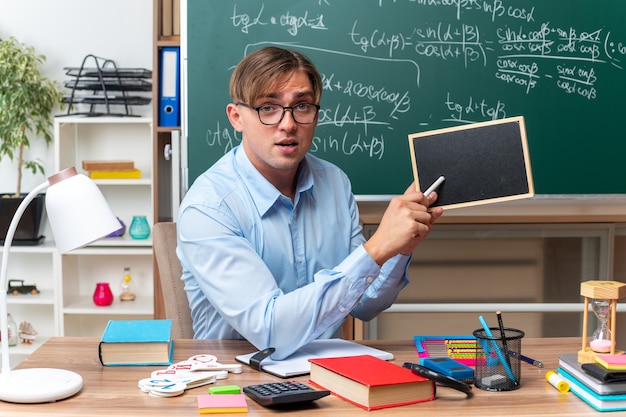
(396, 67)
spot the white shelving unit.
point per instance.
(34, 264)
(64, 306)
(106, 138)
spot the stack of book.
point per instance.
(602, 388)
(108, 170)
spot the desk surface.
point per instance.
(113, 391)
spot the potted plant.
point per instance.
(27, 100)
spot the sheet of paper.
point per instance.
(298, 363)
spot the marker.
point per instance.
(435, 185)
(525, 359)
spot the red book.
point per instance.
(369, 382)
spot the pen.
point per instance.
(525, 359)
(435, 185)
(503, 361)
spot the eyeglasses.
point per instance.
(272, 114)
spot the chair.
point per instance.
(169, 270)
(174, 296)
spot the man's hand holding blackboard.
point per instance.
(403, 225)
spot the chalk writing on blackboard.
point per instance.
(394, 67)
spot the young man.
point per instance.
(269, 237)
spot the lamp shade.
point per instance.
(77, 211)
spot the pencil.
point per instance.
(503, 336)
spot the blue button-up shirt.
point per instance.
(277, 273)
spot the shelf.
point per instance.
(45, 297)
(139, 182)
(103, 120)
(85, 305)
(46, 247)
(27, 349)
(122, 246)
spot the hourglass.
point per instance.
(601, 339)
(604, 296)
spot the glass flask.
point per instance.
(139, 228)
(103, 296)
(126, 293)
(12, 331)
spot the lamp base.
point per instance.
(39, 385)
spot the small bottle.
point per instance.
(126, 293)
(139, 228)
(12, 331)
(103, 296)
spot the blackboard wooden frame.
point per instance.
(482, 163)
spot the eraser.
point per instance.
(493, 380)
(225, 389)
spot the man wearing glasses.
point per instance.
(269, 236)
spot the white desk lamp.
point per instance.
(78, 215)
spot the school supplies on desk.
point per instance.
(136, 342)
(609, 402)
(369, 382)
(612, 362)
(449, 367)
(222, 403)
(569, 363)
(605, 375)
(460, 348)
(298, 362)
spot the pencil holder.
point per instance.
(497, 365)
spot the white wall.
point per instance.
(65, 31)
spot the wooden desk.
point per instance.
(113, 391)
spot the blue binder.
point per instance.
(169, 87)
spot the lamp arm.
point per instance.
(4, 324)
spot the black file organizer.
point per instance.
(102, 83)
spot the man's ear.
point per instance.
(232, 111)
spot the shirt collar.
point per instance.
(263, 193)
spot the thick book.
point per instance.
(125, 174)
(569, 363)
(612, 402)
(106, 165)
(369, 382)
(222, 403)
(298, 363)
(136, 342)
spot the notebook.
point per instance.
(298, 363)
(569, 363)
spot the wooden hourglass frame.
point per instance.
(604, 290)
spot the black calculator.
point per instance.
(279, 393)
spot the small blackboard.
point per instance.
(482, 162)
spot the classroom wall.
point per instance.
(65, 31)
